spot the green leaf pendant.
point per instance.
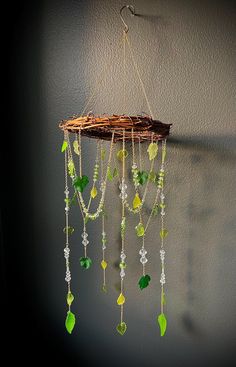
(121, 328)
(80, 183)
(142, 177)
(64, 146)
(162, 323)
(70, 322)
(144, 281)
(85, 262)
(163, 233)
(152, 150)
(140, 230)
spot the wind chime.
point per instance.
(137, 130)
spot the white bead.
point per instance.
(123, 256)
(142, 252)
(122, 273)
(143, 260)
(162, 196)
(104, 247)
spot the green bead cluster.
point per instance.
(95, 172)
(160, 178)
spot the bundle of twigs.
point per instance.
(101, 127)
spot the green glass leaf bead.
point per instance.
(76, 147)
(122, 154)
(109, 174)
(162, 321)
(70, 298)
(70, 322)
(85, 262)
(152, 176)
(152, 150)
(122, 265)
(69, 229)
(162, 205)
(71, 168)
(103, 154)
(121, 328)
(86, 219)
(155, 210)
(140, 231)
(80, 183)
(142, 177)
(144, 281)
(64, 146)
(115, 172)
(163, 233)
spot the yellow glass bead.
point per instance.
(103, 264)
(93, 192)
(121, 299)
(137, 201)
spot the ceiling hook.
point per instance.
(132, 11)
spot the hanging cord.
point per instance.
(138, 74)
(98, 82)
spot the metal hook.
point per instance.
(132, 11)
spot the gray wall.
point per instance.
(186, 54)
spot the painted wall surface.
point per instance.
(185, 51)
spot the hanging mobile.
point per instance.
(136, 129)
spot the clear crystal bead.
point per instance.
(142, 252)
(143, 260)
(123, 256)
(122, 273)
(162, 196)
(104, 247)
(66, 192)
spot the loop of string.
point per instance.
(106, 70)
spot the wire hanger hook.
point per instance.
(132, 11)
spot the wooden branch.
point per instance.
(102, 127)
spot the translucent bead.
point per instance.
(162, 196)
(122, 273)
(66, 192)
(142, 252)
(143, 260)
(85, 242)
(84, 235)
(123, 256)
(104, 247)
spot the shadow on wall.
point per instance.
(201, 177)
